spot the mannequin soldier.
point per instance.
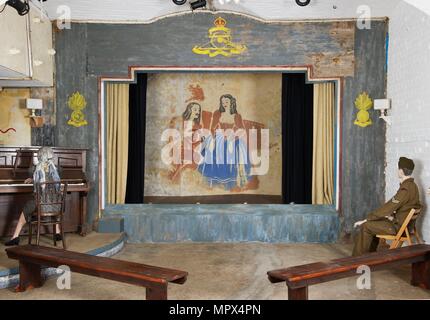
(389, 218)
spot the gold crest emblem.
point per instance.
(220, 42)
(363, 103)
(77, 103)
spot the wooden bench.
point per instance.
(32, 258)
(300, 277)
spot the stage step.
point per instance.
(227, 223)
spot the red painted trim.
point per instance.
(7, 130)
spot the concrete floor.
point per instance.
(231, 271)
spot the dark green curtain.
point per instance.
(297, 139)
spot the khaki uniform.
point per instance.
(406, 198)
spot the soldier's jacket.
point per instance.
(406, 198)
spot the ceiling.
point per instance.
(147, 10)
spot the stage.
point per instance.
(101, 244)
(146, 223)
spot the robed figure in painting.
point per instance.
(226, 159)
(192, 121)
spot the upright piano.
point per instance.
(16, 165)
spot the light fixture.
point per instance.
(21, 7)
(179, 2)
(198, 4)
(303, 3)
(383, 105)
(33, 105)
(52, 52)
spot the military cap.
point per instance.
(405, 163)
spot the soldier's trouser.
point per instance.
(366, 240)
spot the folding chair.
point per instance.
(405, 231)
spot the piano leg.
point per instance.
(83, 205)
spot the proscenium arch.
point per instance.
(131, 78)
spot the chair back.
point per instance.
(412, 216)
(50, 198)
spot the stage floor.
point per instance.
(158, 223)
(231, 272)
(106, 244)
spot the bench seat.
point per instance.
(298, 278)
(32, 258)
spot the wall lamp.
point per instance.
(383, 105)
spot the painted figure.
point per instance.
(226, 160)
(191, 116)
(45, 171)
(389, 218)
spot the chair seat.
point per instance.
(389, 237)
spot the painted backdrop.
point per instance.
(252, 101)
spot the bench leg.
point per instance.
(298, 294)
(156, 293)
(29, 276)
(421, 275)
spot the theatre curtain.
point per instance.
(117, 104)
(323, 144)
(136, 146)
(297, 139)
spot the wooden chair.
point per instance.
(50, 206)
(405, 232)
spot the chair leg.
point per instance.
(54, 229)
(30, 232)
(396, 244)
(38, 232)
(63, 236)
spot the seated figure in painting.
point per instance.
(388, 218)
(226, 160)
(45, 171)
(194, 117)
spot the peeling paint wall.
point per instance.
(14, 118)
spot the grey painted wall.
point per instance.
(87, 51)
(363, 177)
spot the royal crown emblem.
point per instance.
(220, 42)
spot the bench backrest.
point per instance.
(129, 272)
(319, 272)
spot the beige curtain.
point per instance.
(117, 98)
(323, 141)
